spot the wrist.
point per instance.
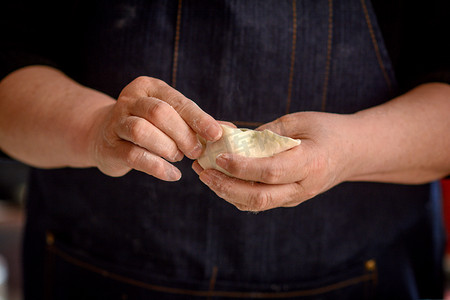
(351, 147)
(359, 143)
(89, 123)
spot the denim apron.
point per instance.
(90, 236)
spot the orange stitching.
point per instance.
(328, 63)
(203, 293)
(294, 45)
(176, 46)
(371, 267)
(375, 45)
(212, 282)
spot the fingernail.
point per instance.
(223, 159)
(174, 174)
(179, 156)
(213, 132)
(195, 153)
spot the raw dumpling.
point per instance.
(245, 142)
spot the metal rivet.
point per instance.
(50, 238)
(371, 265)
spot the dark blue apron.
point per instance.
(90, 236)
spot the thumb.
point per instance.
(287, 125)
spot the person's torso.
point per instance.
(248, 62)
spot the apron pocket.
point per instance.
(70, 275)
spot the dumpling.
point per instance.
(245, 142)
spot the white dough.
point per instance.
(245, 142)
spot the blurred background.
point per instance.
(13, 177)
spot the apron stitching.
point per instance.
(212, 282)
(371, 285)
(203, 293)
(375, 45)
(291, 69)
(328, 62)
(49, 268)
(176, 45)
(294, 45)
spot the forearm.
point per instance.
(406, 140)
(46, 118)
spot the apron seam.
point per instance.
(367, 277)
(176, 44)
(293, 50)
(212, 281)
(375, 46)
(328, 59)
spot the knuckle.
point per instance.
(137, 83)
(124, 100)
(180, 102)
(181, 106)
(271, 174)
(286, 118)
(157, 168)
(145, 81)
(134, 157)
(160, 110)
(145, 84)
(136, 130)
(158, 83)
(153, 84)
(139, 159)
(260, 201)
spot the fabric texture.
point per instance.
(90, 236)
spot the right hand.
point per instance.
(150, 125)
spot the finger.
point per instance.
(144, 134)
(140, 159)
(250, 195)
(164, 117)
(197, 168)
(281, 168)
(195, 117)
(227, 123)
(287, 125)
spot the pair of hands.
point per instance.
(152, 124)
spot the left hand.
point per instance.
(291, 177)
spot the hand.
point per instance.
(150, 125)
(290, 177)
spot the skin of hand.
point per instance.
(265, 183)
(150, 125)
(402, 141)
(48, 120)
